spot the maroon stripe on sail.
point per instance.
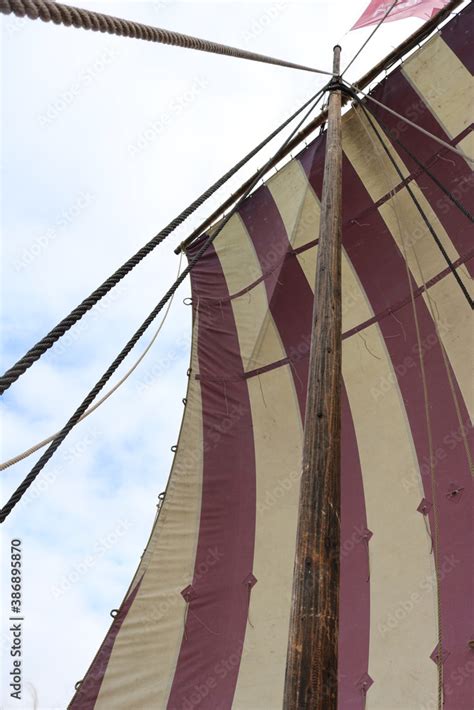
(291, 304)
(458, 36)
(289, 294)
(217, 613)
(449, 168)
(382, 272)
(354, 595)
(88, 692)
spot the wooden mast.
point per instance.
(311, 673)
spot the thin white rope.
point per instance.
(452, 148)
(49, 439)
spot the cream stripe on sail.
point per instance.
(259, 339)
(237, 255)
(148, 643)
(277, 431)
(362, 147)
(380, 177)
(297, 203)
(300, 211)
(467, 144)
(451, 308)
(401, 210)
(402, 605)
(443, 83)
(301, 220)
(278, 443)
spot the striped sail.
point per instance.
(204, 623)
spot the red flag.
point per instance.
(404, 8)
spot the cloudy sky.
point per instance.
(104, 140)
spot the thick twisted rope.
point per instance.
(14, 372)
(97, 22)
(43, 460)
(41, 444)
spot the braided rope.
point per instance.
(97, 22)
(41, 444)
(20, 367)
(43, 460)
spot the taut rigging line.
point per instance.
(35, 352)
(100, 384)
(413, 197)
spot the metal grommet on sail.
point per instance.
(188, 301)
(114, 613)
(77, 685)
(184, 401)
(174, 448)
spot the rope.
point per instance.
(20, 367)
(370, 36)
(97, 22)
(417, 205)
(414, 125)
(43, 460)
(49, 439)
(439, 662)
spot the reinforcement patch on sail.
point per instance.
(205, 622)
